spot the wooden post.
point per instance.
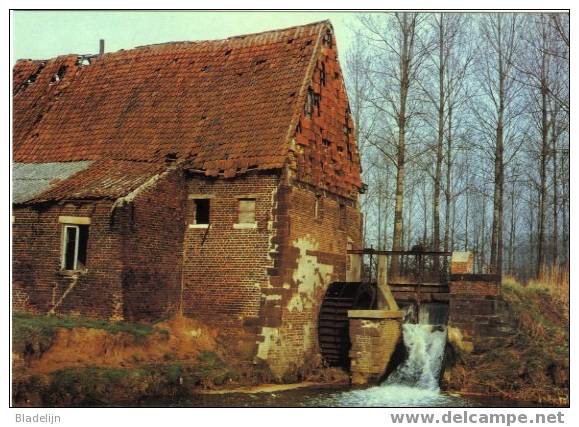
(385, 298)
(354, 272)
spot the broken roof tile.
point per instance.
(187, 98)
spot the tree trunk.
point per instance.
(543, 174)
(554, 137)
(439, 145)
(497, 228)
(401, 155)
(447, 193)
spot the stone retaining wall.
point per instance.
(373, 342)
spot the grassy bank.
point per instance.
(39, 331)
(100, 386)
(532, 365)
(74, 361)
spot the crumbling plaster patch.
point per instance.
(310, 275)
(308, 279)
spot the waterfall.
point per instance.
(425, 344)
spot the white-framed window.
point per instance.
(74, 246)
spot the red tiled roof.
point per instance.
(226, 105)
(104, 179)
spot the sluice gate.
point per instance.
(360, 322)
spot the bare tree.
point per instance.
(402, 51)
(497, 111)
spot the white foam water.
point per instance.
(425, 347)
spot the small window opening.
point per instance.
(328, 39)
(319, 207)
(202, 211)
(309, 107)
(326, 143)
(343, 217)
(323, 74)
(246, 211)
(74, 250)
(317, 98)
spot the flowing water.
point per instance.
(414, 383)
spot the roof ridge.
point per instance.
(239, 36)
(207, 42)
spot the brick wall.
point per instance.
(312, 235)
(38, 284)
(226, 268)
(479, 288)
(133, 256)
(478, 311)
(373, 343)
(151, 228)
(311, 254)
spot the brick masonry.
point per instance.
(476, 308)
(261, 286)
(373, 343)
(133, 256)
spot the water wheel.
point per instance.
(333, 325)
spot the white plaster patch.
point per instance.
(307, 336)
(295, 303)
(270, 335)
(309, 274)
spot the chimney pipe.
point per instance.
(101, 47)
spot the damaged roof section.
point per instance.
(29, 180)
(37, 86)
(225, 106)
(103, 179)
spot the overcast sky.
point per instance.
(42, 35)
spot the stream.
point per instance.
(414, 383)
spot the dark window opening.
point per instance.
(326, 142)
(201, 211)
(328, 39)
(319, 208)
(317, 98)
(309, 107)
(323, 74)
(75, 241)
